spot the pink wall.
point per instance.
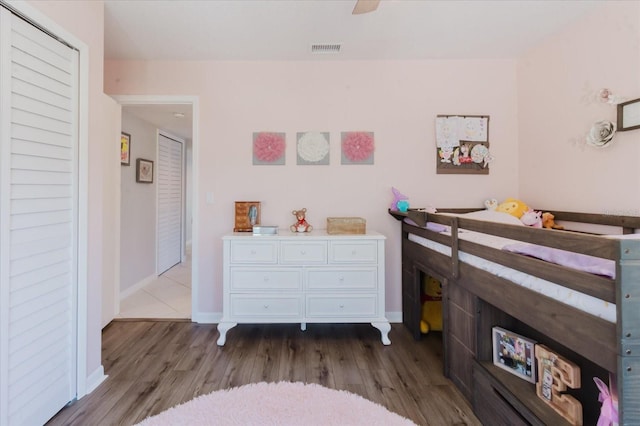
(396, 100)
(557, 85)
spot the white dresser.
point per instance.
(303, 278)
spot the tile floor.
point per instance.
(169, 296)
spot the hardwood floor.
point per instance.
(154, 365)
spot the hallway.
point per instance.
(168, 296)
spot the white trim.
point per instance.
(137, 286)
(5, 173)
(206, 317)
(394, 317)
(50, 25)
(95, 379)
(215, 317)
(195, 104)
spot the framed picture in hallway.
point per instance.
(125, 148)
(144, 171)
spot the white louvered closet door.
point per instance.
(38, 222)
(169, 203)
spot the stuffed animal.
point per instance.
(512, 206)
(400, 201)
(549, 222)
(532, 218)
(431, 305)
(491, 204)
(301, 224)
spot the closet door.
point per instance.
(38, 222)
(169, 203)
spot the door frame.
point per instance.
(84, 383)
(183, 220)
(194, 101)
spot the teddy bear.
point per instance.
(549, 222)
(301, 224)
(431, 318)
(512, 206)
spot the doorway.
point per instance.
(165, 289)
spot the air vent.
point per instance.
(325, 48)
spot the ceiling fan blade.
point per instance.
(365, 6)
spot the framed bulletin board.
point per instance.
(462, 144)
(629, 115)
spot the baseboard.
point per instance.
(206, 317)
(95, 378)
(394, 317)
(215, 317)
(137, 286)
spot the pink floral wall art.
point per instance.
(313, 148)
(357, 147)
(268, 148)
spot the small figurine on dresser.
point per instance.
(301, 224)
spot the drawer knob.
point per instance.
(265, 306)
(303, 252)
(253, 252)
(341, 306)
(265, 279)
(353, 252)
(341, 279)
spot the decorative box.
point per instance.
(265, 230)
(346, 225)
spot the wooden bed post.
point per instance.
(628, 314)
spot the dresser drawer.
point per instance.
(260, 306)
(353, 252)
(265, 279)
(342, 279)
(341, 306)
(303, 253)
(254, 252)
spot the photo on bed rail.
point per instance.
(514, 353)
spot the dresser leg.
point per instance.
(223, 327)
(303, 326)
(384, 328)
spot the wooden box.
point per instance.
(346, 225)
(243, 219)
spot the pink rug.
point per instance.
(282, 403)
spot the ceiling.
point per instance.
(283, 30)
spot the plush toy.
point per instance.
(431, 305)
(400, 201)
(491, 204)
(301, 224)
(532, 218)
(549, 222)
(512, 206)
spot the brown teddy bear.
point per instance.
(301, 224)
(548, 222)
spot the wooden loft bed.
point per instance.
(475, 300)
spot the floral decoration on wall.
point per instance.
(601, 133)
(313, 148)
(357, 147)
(268, 148)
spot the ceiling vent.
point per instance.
(325, 48)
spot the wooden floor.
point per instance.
(154, 365)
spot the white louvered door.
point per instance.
(169, 203)
(38, 222)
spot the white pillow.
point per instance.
(494, 216)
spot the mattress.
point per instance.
(584, 302)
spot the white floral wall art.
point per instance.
(313, 148)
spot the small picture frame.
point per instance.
(514, 353)
(628, 115)
(144, 171)
(125, 149)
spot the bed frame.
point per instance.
(475, 301)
